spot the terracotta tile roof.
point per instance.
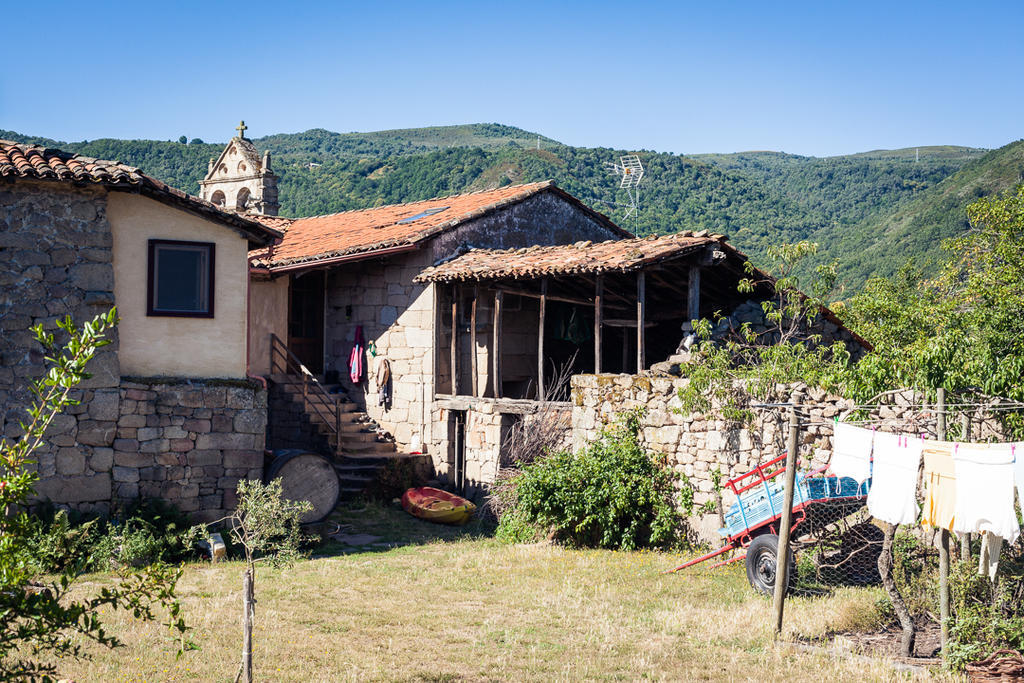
(570, 259)
(42, 163)
(319, 238)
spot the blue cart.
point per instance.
(752, 522)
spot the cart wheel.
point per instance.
(762, 563)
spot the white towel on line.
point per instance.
(984, 490)
(1017, 450)
(851, 452)
(893, 494)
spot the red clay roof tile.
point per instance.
(318, 238)
(42, 163)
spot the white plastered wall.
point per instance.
(152, 346)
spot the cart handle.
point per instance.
(763, 472)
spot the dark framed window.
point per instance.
(180, 279)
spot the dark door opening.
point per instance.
(457, 439)
(306, 319)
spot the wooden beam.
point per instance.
(693, 299)
(473, 356)
(499, 297)
(436, 351)
(641, 313)
(455, 340)
(549, 297)
(598, 327)
(540, 339)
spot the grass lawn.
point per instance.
(454, 605)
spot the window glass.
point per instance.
(180, 275)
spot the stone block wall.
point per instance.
(187, 443)
(697, 445)
(487, 422)
(398, 316)
(55, 260)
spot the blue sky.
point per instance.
(815, 78)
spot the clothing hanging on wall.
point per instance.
(984, 487)
(851, 452)
(893, 494)
(384, 382)
(355, 359)
(940, 483)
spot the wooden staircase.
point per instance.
(306, 413)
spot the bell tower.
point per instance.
(239, 180)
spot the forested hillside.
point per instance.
(871, 210)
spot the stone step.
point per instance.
(368, 448)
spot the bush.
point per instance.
(985, 618)
(144, 532)
(611, 495)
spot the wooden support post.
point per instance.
(693, 300)
(499, 298)
(337, 423)
(786, 522)
(540, 339)
(474, 365)
(598, 318)
(940, 414)
(944, 534)
(641, 314)
(944, 587)
(455, 341)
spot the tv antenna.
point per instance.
(632, 172)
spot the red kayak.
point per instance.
(435, 505)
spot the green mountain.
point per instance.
(872, 210)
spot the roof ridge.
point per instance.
(546, 183)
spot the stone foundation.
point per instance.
(188, 443)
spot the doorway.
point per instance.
(306, 319)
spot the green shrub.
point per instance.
(142, 533)
(985, 618)
(613, 494)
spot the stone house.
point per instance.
(170, 410)
(478, 303)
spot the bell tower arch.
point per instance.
(240, 180)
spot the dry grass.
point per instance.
(469, 609)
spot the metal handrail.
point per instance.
(309, 384)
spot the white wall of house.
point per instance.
(152, 346)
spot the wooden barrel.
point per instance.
(307, 476)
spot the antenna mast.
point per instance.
(632, 172)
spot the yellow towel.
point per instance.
(940, 477)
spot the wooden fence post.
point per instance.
(943, 535)
(782, 552)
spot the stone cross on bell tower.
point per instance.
(239, 180)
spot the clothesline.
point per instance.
(970, 486)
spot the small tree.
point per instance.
(39, 620)
(267, 527)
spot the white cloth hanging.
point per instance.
(1017, 450)
(893, 494)
(984, 490)
(851, 452)
(988, 559)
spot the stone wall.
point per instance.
(187, 443)
(397, 315)
(698, 445)
(55, 260)
(487, 424)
